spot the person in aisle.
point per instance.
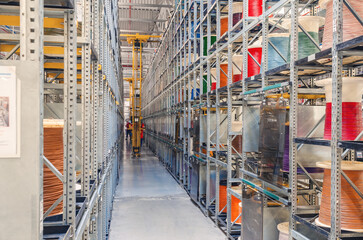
(142, 133)
(128, 130)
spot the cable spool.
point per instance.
(351, 26)
(205, 83)
(237, 16)
(205, 43)
(193, 34)
(311, 25)
(213, 73)
(197, 93)
(254, 8)
(223, 194)
(351, 204)
(223, 79)
(282, 42)
(236, 205)
(53, 151)
(224, 25)
(237, 73)
(352, 122)
(283, 230)
(256, 51)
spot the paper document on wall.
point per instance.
(8, 109)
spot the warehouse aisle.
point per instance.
(150, 205)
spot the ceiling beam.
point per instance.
(141, 20)
(140, 31)
(123, 5)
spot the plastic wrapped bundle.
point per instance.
(271, 146)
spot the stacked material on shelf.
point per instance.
(311, 25)
(351, 204)
(352, 120)
(237, 8)
(53, 151)
(351, 26)
(281, 42)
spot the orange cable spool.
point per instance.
(236, 206)
(53, 151)
(351, 203)
(223, 78)
(222, 197)
(224, 25)
(236, 15)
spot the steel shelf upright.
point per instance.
(28, 179)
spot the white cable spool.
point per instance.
(309, 23)
(237, 60)
(213, 73)
(352, 89)
(283, 230)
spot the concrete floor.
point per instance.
(149, 204)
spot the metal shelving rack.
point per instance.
(69, 55)
(171, 106)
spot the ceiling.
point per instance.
(148, 17)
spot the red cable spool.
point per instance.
(214, 86)
(254, 8)
(256, 51)
(53, 151)
(352, 120)
(351, 26)
(351, 203)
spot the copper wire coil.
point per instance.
(53, 151)
(351, 26)
(351, 204)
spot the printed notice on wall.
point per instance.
(8, 109)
